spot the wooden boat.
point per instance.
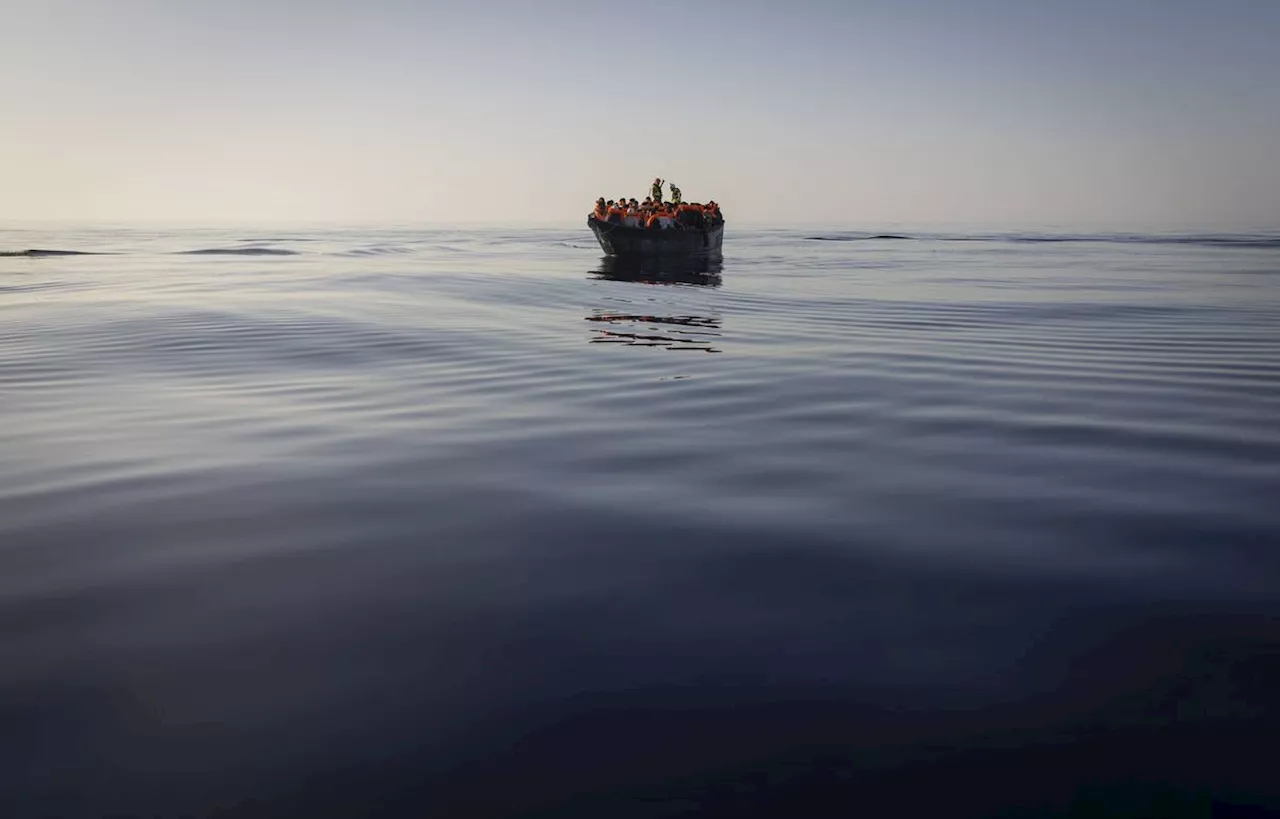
(638, 242)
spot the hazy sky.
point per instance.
(1125, 111)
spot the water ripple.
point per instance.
(445, 514)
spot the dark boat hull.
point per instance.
(616, 240)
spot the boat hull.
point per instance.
(616, 240)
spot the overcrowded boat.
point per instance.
(657, 226)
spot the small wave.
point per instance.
(859, 238)
(36, 252)
(279, 239)
(380, 250)
(1241, 241)
(1237, 241)
(1223, 241)
(239, 251)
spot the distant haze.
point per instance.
(1151, 111)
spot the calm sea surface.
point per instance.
(472, 523)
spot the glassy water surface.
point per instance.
(478, 523)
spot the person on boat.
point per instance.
(662, 219)
(656, 192)
(631, 217)
(689, 216)
(602, 209)
(675, 194)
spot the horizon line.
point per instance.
(559, 224)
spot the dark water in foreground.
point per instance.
(383, 522)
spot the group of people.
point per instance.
(656, 214)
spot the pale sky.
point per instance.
(1126, 111)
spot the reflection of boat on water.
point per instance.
(672, 332)
(695, 270)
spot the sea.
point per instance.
(475, 522)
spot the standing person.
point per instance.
(656, 191)
(675, 194)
